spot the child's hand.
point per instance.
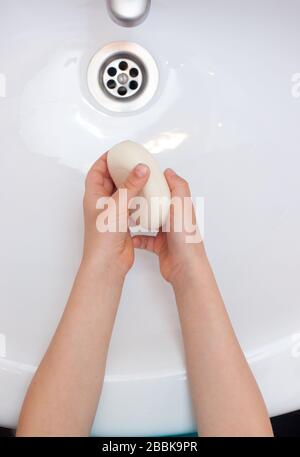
(177, 258)
(109, 250)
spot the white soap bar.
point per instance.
(121, 159)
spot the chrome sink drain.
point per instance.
(122, 77)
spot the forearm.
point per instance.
(226, 397)
(64, 393)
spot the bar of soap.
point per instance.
(121, 159)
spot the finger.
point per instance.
(150, 243)
(144, 242)
(133, 185)
(98, 181)
(101, 165)
(178, 186)
(136, 180)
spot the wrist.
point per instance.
(102, 270)
(190, 273)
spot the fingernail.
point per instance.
(141, 170)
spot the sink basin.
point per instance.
(226, 117)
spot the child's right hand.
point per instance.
(178, 259)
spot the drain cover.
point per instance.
(122, 76)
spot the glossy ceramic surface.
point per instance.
(226, 117)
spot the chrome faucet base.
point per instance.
(128, 13)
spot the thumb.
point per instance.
(134, 183)
(136, 180)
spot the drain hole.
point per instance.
(111, 83)
(122, 91)
(112, 71)
(134, 72)
(123, 65)
(133, 85)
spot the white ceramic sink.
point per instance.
(226, 116)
